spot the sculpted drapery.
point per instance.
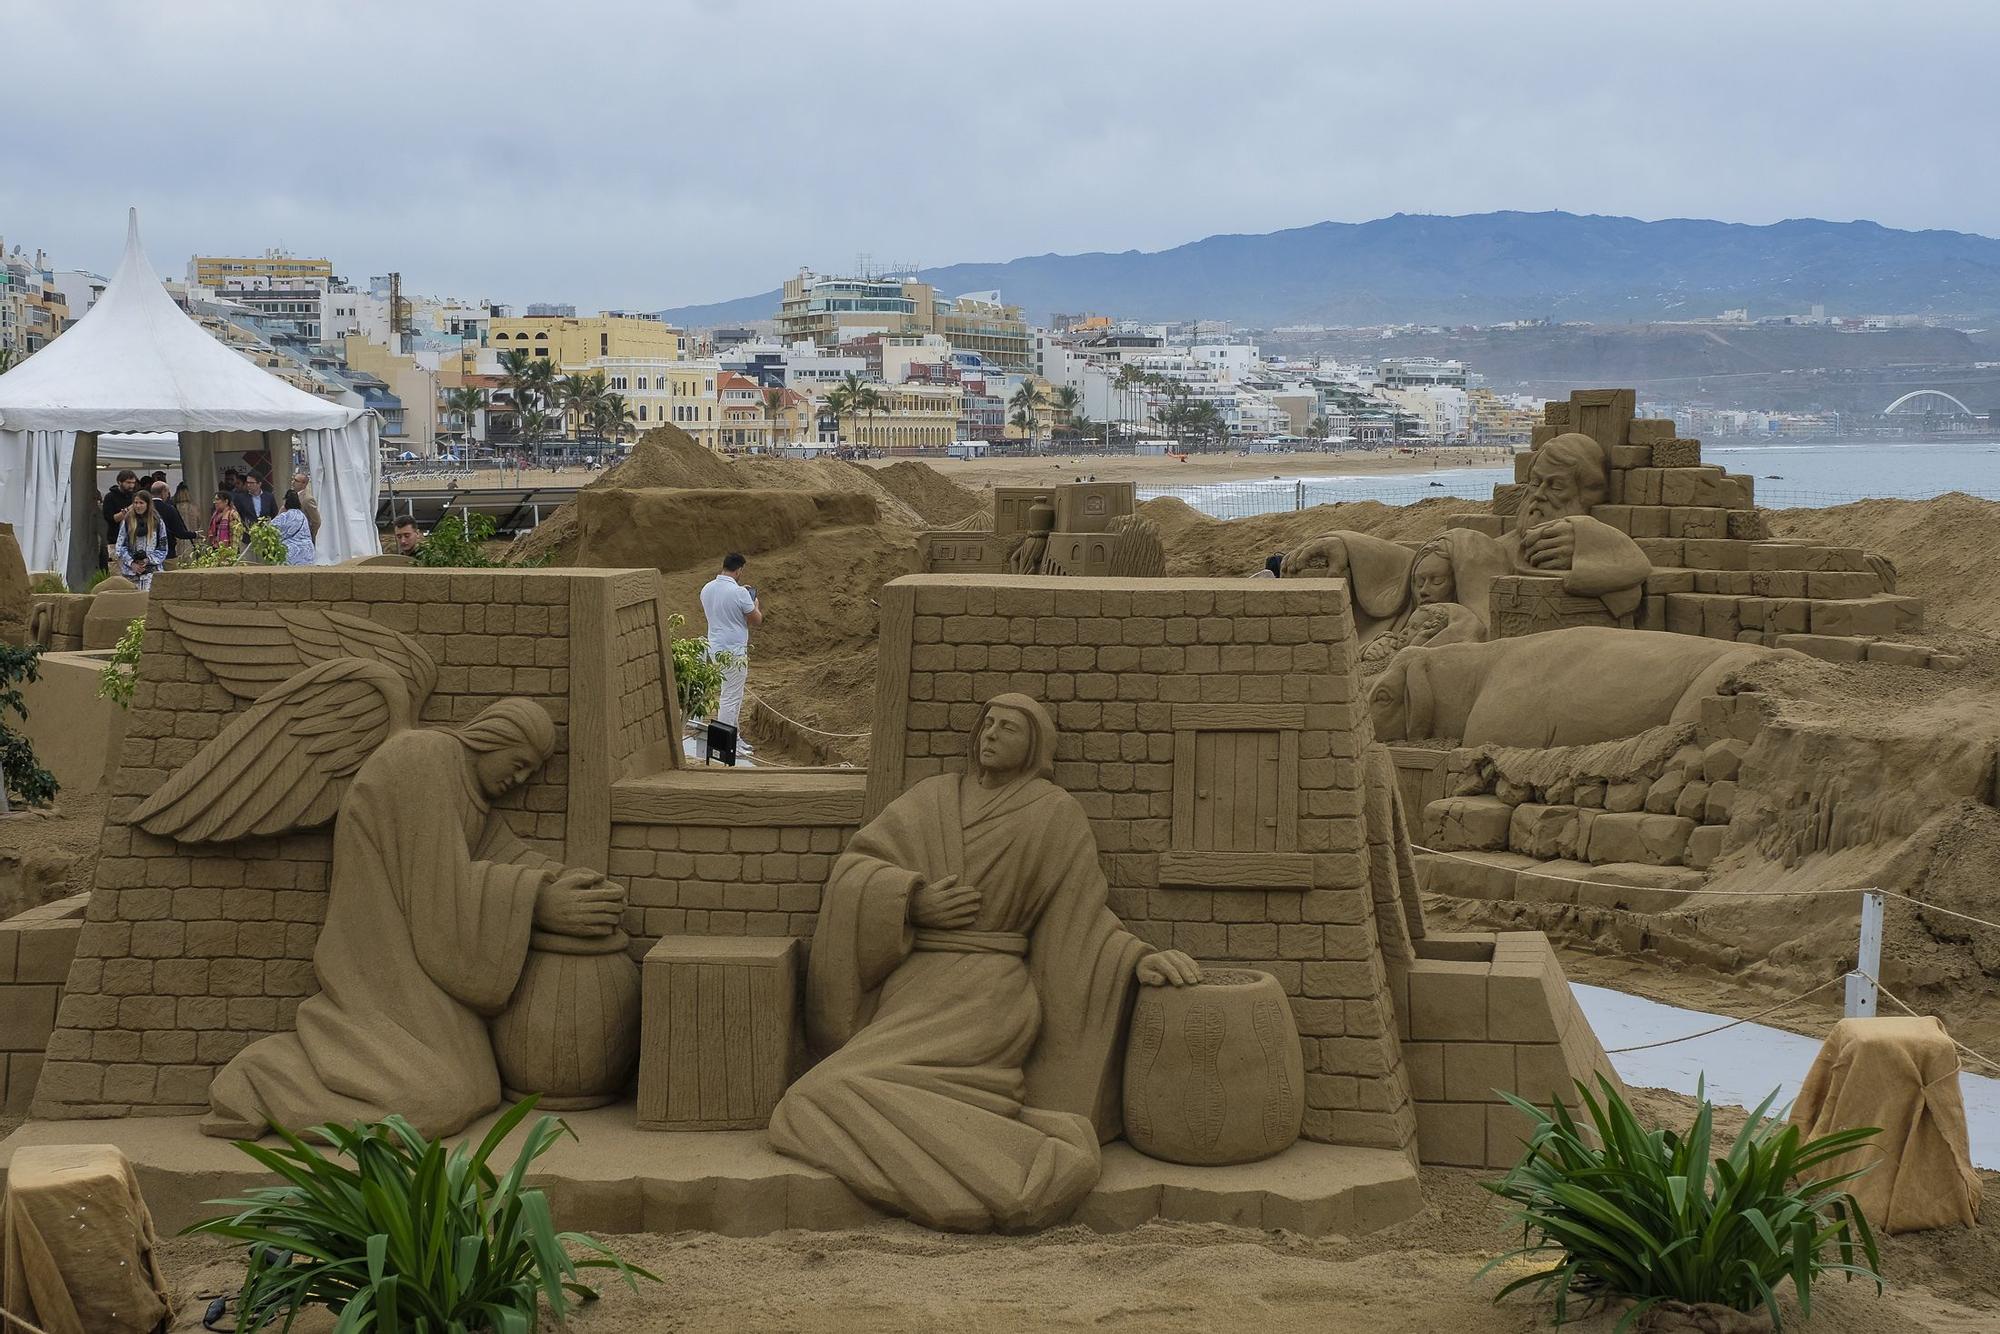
(969, 1074)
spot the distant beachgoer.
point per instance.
(143, 543)
(732, 609)
(293, 525)
(409, 538)
(1275, 563)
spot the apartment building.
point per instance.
(830, 311)
(276, 268)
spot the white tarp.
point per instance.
(136, 362)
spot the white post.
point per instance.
(1861, 989)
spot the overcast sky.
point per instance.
(648, 153)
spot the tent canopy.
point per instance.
(136, 363)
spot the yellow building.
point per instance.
(830, 311)
(416, 385)
(682, 393)
(1495, 421)
(912, 416)
(277, 268)
(573, 341)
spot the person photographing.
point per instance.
(733, 610)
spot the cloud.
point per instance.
(641, 153)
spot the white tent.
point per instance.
(136, 362)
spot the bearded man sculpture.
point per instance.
(1553, 534)
(968, 994)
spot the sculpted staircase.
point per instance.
(1717, 571)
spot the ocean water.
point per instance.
(1789, 476)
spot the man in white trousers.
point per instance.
(732, 608)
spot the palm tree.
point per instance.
(1320, 429)
(1027, 402)
(517, 370)
(774, 407)
(1130, 377)
(610, 416)
(7, 358)
(465, 404)
(845, 398)
(869, 402)
(1068, 402)
(535, 423)
(575, 394)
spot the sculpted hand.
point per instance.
(1550, 546)
(1168, 968)
(580, 903)
(1328, 551)
(945, 904)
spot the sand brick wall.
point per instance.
(188, 953)
(1149, 680)
(35, 951)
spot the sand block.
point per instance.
(716, 1031)
(1649, 431)
(79, 1243)
(1677, 454)
(1636, 886)
(1705, 845)
(1884, 614)
(1631, 456)
(1783, 555)
(1467, 823)
(1828, 648)
(1472, 875)
(1548, 831)
(1696, 521)
(1640, 836)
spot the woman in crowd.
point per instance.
(226, 529)
(190, 512)
(293, 525)
(142, 542)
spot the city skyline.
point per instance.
(660, 155)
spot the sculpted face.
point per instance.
(1433, 580)
(1005, 741)
(1566, 478)
(501, 771)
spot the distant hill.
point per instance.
(1487, 268)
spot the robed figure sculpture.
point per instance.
(967, 995)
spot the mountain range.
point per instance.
(1486, 268)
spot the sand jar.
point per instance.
(1213, 1072)
(571, 1032)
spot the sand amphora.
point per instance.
(571, 1032)
(1214, 1073)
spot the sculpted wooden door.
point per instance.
(1236, 798)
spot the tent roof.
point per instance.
(137, 362)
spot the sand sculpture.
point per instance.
(1180, 770)
(1559, 688)
(967, 995)
(17, 600)
(438, 918)
(1071, 528)
(1554, 535)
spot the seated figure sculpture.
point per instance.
(967, 994)
(1553, 534)
(1434, 617)
(432, 901)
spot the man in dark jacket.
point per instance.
(253, 502)
(116, 501)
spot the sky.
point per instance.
(642, 154)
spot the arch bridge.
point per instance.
(1914, 394)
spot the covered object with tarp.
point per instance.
(136, 362)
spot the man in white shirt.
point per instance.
(732, 608)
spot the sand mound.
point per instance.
(1942, 548)
(937, 499)
(626, 528)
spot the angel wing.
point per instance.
(285, 762)
(249, 652)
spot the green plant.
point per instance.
(697, 672)
(115, 682)
(265, 543)
(406, 1235)
(458, 541)
(206, 557)
(25, 776)
(48, 582)
(1652, 1216)
(96, 579)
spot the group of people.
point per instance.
(146, 524)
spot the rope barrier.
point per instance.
(763, 703)
(1747, 1019)
(1964, 1050)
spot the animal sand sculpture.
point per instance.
(1121, 922)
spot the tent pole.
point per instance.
(86, 518)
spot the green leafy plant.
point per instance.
(207, 557)
(116, 681)
(697, 673)
(26, 779)
(1653, 1217)
(96, 579)
(458, 540)
(392, 1231)
(48, 582)
(266, 544)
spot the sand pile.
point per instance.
(935, 497)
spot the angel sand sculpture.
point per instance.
(1553, 534)
(967, 992)
(436, 911)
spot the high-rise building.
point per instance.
(830, 311)
(276, 268)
